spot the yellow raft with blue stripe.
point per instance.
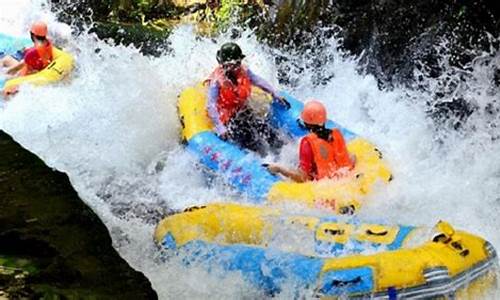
(244, 172)
(330, 257)
(57, 70)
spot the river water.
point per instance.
(112, 127)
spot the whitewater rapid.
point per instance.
(112, 127)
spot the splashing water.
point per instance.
(113, 128)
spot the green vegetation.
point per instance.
(12, 264)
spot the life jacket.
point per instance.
(231, 97)
(329, 156)
(37, 58)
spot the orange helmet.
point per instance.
(314, 113)
(39, 28)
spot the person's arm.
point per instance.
(261, 83)
(306, 158)
(213, 96)
(295, 175)
(13, 70)
(306, 165)
(266, 87)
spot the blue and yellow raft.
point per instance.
(57, 70)
(245, 173)
(330, 257)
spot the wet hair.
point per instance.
(320, 130)
(38, 38)
(231, 75)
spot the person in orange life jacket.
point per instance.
(323, 153)
(32, 59)
(228, 94)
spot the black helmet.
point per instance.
(229, 52)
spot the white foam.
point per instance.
(113, 128)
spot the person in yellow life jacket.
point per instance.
(33, 59)
(230, 87)
(323, 152)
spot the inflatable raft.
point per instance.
(328, 257)
(58, 69)
(244, 171)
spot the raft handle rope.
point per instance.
(443, 238)
(181, 120)
(334, 231)
(183, 125)
(52, 65)
(382, 233)
(193, 208)
(344, 283)
(347, 210)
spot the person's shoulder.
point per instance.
(215, 76)
(305, 141)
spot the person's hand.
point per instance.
(273, 169)
(354, 159)
(10, 91)
(222, 132)
(224, 136)
(282, 100)
(11, 72)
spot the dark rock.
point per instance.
(43, 221)
(117, 25)
(393, 35)
(454, 112)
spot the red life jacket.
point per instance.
(37, 58)
(231, 97)
(329, 156)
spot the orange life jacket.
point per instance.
(231, 97)
(45, 53)
(37, 58)
(329, 156)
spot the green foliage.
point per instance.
(233, 12)
(12, 264)
(150, 40)
(138, 10)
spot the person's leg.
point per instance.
(242, 131)
(8, 61)
(269, 134)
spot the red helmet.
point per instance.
(314, 113)
(39, 28)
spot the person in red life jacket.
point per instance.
(34, 59)
(229, 91)
(323, 152)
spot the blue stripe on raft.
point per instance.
(287, 119)
(266, 269)
(404, 231)
(241, 169)
(169, 242)
(10, 45)
(355, 246)
(349, 281)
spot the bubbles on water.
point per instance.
(112, 126)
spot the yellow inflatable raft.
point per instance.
(58, 69)
(329, 257)
(245, 173)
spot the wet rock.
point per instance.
(392, 35)
(455, 112)
(43, 222)
(399, 42)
